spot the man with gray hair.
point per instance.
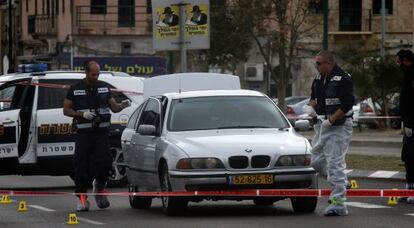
(331, 104)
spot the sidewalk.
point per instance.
(380, 142)
(369, 137)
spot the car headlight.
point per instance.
(200, 163)
(294, 160)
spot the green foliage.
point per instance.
(375, 77)
(229, 43)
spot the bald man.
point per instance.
(89, 103)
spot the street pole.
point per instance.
(325, 23)
(11, 67)
(382, 53)
(182, 38)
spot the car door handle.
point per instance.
(8, 121)
(133, 143)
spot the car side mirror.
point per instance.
(302, 125)
(145, 129)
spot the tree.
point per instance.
(283, 23)
(376, 77)
(229, 45)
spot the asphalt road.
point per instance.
(47, 211)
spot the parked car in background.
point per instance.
(366, 113)
(37, 139)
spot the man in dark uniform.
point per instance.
(406, 61)
(331, 102)
(89, 103)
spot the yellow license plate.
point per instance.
(252, 179)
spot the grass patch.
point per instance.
(368, 162)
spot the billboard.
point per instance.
(146, 66)
(166, 29)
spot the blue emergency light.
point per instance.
(34, 67)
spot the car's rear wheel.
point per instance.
(138, 202)
(263, 201)
(171, 205)
(304, 204)
(117, 175)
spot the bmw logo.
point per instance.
(248, 150)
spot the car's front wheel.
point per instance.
(138, 202)
(170, 205)
(304, 204)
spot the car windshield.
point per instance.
(204, 113)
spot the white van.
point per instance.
(36, 138)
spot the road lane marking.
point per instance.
(365, 205)
(383, 174)
(41, 208)
(93, 222)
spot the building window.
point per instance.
(63, 6)
(125, 48)
(98, 6)
(149, 7)
(57, 7)
(376, 7)
(316, 6)
(31, 22)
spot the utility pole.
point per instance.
(325, 23)
(11, 65)
(183, 44)
(382, 53)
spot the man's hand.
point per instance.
(326, 124)
(125, 103)
(408, 131)
(309, 110)
(88, 115)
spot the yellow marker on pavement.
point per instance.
(5, 199)
(392, 200)
(72, 219)
(22, 206)
(354, 184)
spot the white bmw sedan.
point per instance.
(215, 140)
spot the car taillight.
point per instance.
(290, 110)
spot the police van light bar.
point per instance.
(35, 67)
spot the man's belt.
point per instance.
(89, 125)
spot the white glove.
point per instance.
(408, 131)
(326, 124)
(88, 115)
(309, 110)
(125, 103)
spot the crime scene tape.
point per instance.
(242, 193)
(62, 86)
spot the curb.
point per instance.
(369, 143)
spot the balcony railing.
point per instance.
(111, 19)
(42, 25)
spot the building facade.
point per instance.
(353, 24)
(63, 33)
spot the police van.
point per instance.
(37, 139)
